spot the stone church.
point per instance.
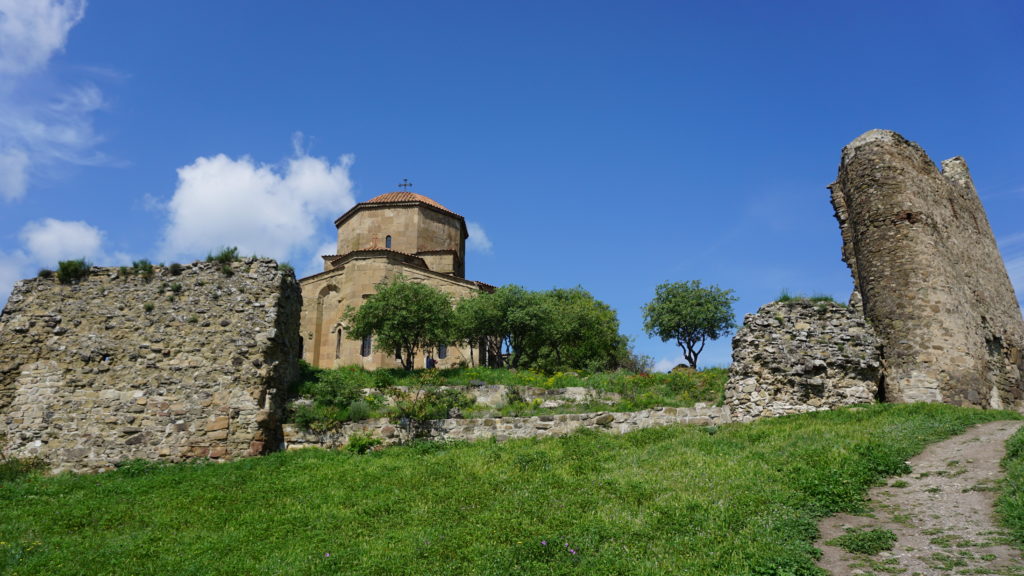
(398, 233)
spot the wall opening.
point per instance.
(387, 241)
(367, 346)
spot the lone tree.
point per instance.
(403, 316)
(690, 314)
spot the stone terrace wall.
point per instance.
(934, 286)
(800, 356)
(508, 427)
(117, 367)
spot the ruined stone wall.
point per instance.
(933, 284)
(119, 367)
(800, 356)
(507, 427)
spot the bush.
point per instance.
(358, 410)
(175, 269)
(286, 268)
(143, 269)
(225, 257)
(361, 443)
(45, 273)
(73, 271)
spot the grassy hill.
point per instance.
(739, 499)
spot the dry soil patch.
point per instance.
(942, 513)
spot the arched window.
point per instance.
(442, 351)
(387, 241)
(337, 346)
(367, 346)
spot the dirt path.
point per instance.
(941, 513)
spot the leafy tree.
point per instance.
(580, 332)
(689, 314)
(548, 331)
(506, 320)
(404, 316)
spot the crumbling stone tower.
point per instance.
(927, 268)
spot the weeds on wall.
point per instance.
(73, 271)
(224, 258)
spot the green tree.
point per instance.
(580, 332)
(689, 314)
(552, 330)
(403, 316)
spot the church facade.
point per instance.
(398, 233)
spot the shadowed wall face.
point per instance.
(933, 283)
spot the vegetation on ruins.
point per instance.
(689, 314)
(403, 317)
(325, 398)
(786, 296)
(143, 269)
(224, 257)
(73, 271)
(673, 500)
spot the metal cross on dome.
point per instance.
(405, 185)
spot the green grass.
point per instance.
(870, 542)
(675, 500)
(1010, 505)
(334, 391)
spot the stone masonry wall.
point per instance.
(933, 284)
(507, 427)
(118, 367)
(800, 356)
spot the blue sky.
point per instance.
(613, 145)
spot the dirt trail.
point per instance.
(941, 513)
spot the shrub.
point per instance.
(361, 443)
(143, 268)
(286, 268)
(225, 257)
(45, 273)
(73, 271)
(148, 306)
(358, 410)
(175, 269)
(175, 288)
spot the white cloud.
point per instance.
(315, 264)
(50, 241)
(31, 31)
(478, 240)
(46, 242)
(13, 173)
(13, 267)
(261, 209)
(40, 127)
(667, 364)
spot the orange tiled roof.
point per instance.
(406, 197)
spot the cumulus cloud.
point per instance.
(478, 240)
(274, 211)
(315, 264)
(46, 242)
(40, 128)
(50, 241)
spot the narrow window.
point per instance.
(337, 346)
(442, 351)
(398, 353)
(367, 346)
(387, 242)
